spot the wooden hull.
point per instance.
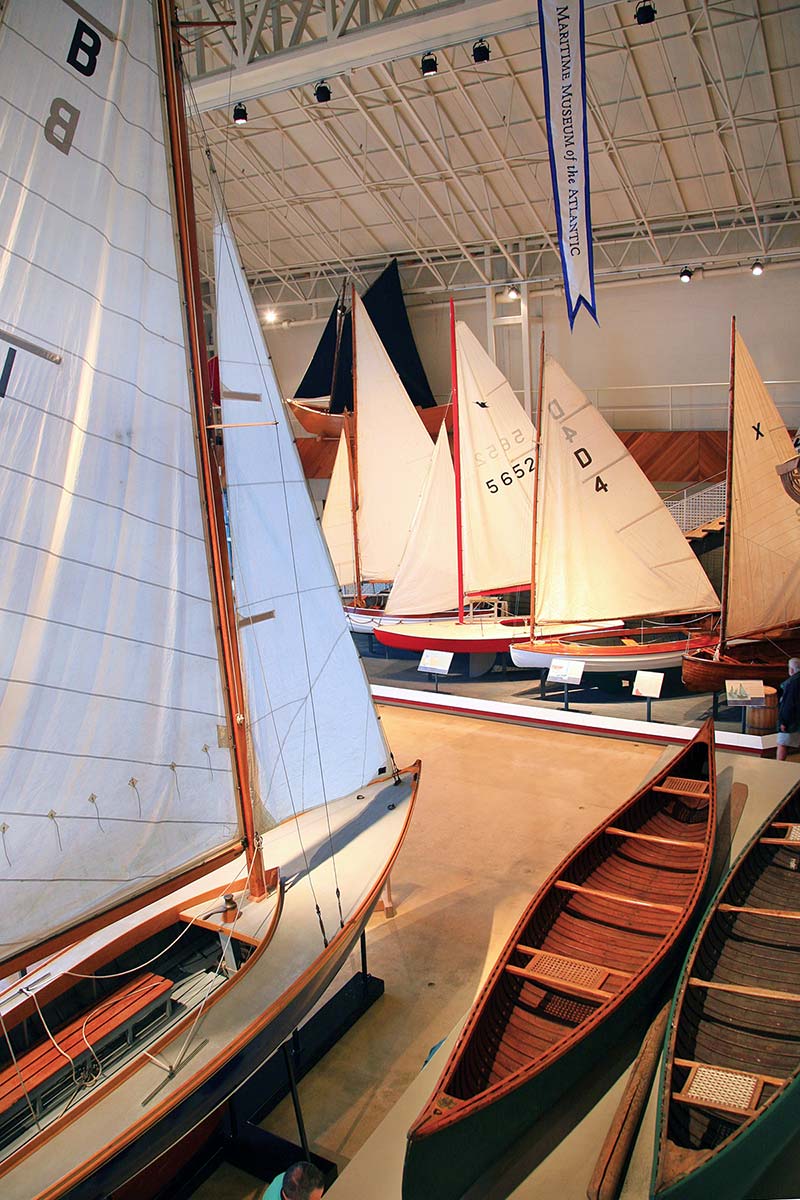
(611, 652)
(766, 660)
(323, 424)
(477, 636)
(730, 1090)
(587, 957)
(128, 1120)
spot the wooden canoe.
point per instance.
(730, 1089)
(321, 423)
(767, 660)
(587, 957)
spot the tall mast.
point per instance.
(351, 437)
(185, 219)
(340, 311)
(538, 458)
(726, 552)
(457, 463)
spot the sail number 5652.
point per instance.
(582, 455)
(506, 478)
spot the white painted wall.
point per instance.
(651, 338)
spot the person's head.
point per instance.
(302, 1181)
(794, 666)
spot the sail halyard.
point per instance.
(114, 784)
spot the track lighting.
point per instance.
(429, 64)
(239, 113)
(645, 12)
(757, 267)
(322, 93)
(513, 292)
(481, 51)
(686, 274)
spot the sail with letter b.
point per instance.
(115, 772)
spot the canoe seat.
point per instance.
(720, 1089)
(42, 1070)
(571, 975)
(676, 785)
(791, 836)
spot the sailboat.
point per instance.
(170, 912)
(325, 392)
(381, 465)
(471, 541)
(761, 569)
(605, 547)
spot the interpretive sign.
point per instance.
(561, 33)
(436, 662)
(749, 693)
(565, 670)
(648, 683)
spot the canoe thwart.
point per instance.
(566, 886)
(741, 990)
(653, 837)
(760, 912)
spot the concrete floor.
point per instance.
(499, 807)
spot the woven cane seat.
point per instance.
(728, 1089)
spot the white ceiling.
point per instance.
(694, 140)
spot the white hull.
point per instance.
(270, 994)
(606, 664)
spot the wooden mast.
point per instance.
(185, 220)
(538, 456)
(726, 553)
(351, 438)
(457, 463)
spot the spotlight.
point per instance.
(645, 12)
(757, 267)
(686, 275)
(322, 93)
(513, 292)
(429, 64)
(270, 316)
(481, 51)
(239, 114)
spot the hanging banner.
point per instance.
(561, 30)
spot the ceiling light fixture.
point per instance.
(513, 292)
(686, 275)
(270, 316)
(322, 92)
(757, 267)
(481, 51)
(429, 64)
(240, 113)
(645, 12)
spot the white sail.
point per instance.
(337, 517)
(606, 545)
(313, 727)
(393, 453)
(764, 529)
(111, 771)
(497, 472)
(427, 577)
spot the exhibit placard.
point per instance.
(749, 693)
(565, 670)
(648, 683)
(436, 662)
